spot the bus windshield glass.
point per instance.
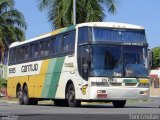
(118, 35)
(118, 61)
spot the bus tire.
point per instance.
(72, 102)
(26, 99)
(20, 96)
(119, 103)
(34, 101)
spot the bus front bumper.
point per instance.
(119, 93)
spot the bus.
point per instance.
(88, 62)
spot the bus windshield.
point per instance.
(118, 61)
(118, 35)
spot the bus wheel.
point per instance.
(26, 99)
(34, 101)
(119, 103)
(20, 96)
(72, 102)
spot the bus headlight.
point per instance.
(143, 85)
(100, 84)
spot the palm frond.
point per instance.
(12, 23)
(111, 6)
(60, 12)
(43, 4)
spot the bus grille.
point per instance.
(130, 84)
(116, 84)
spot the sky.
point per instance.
(139, 12)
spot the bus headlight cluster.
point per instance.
(101, 84)
(143, 85)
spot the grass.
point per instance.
(4, 99)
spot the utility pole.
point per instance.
(74, 12)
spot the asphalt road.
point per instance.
(133, 110)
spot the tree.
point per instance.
(60, 12)
(156, 57)
(12, 25)
(3, 82)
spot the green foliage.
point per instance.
(3, 82)
(156, 57)
(60, 12)
(12, 23)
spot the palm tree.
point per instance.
(60, 12)
(12, 25)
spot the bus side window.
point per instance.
(26, 53)
(65, 43)
(47, 47)
(84, 34)
(14, 53)
(71, 40)
(19, 55)
(52, 50)
(41, 49)
(10, 57)
(54, 46)
(22, 53)
(36, 50)
(31, 51)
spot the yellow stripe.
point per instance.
(143, 81)
(43, 75)
(44, 67)
(56, 31)
(34, 82)
(39, 79)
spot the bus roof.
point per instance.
(111, 25)
(91, 24)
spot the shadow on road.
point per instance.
(97, 106)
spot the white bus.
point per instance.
(93, 62)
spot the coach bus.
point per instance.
(88, 62)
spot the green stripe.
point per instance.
(130, 81)
(55, 77)
(68, 29)
(48, 77)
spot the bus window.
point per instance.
(31, 54)
(13, 54)
(65, 43)
(54, 46)
(19, 55)
(36, 50)
(71, 40)
(26, 53)
(22, 53)
(41, 49)
(47, 47)
(84, 34)
(68, 42)
(10, 57)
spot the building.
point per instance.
(155, 82)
